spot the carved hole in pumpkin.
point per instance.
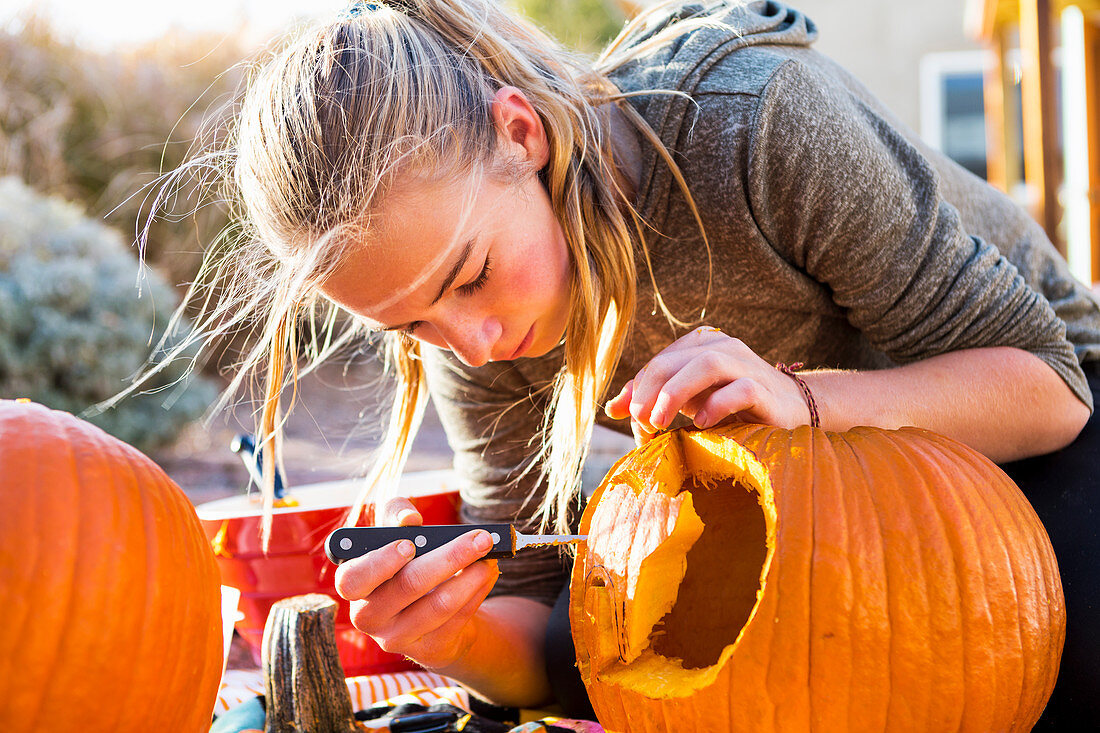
(718, 591)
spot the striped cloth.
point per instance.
(399, 688)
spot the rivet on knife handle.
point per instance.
(347, 543)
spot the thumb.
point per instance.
(400, 512)
(618, 407)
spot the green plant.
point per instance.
(76, 320)
(583, 25)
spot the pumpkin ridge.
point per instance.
(133, 573)
(852, 465)
(151, 505)
(1010, 511)
(187, 605)
(1003, 513)
(873, 455)
(1023, 511)
(18, 631)
(936, 569)
(967, 493)
(797, 514)
(51, 462)
(30, 471)
(822, 709)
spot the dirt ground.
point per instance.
(331, 434)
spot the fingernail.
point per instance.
(482, 541)
(405, 515)
(406, 548)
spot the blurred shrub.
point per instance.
(96, 127)
(72, 327)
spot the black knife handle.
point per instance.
(347, 543)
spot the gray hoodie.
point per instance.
(838, 239)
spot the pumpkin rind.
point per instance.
(901, 582)
(112, 609)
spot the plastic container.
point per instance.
(295, 563)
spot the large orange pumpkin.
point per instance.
(760, 579)
(111, 618)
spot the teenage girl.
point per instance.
(545, 243)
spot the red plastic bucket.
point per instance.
(295, 562)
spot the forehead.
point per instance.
(398, 261)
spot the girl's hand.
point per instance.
(711, 378)
(421, 607)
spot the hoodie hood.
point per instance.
(676, 42)
(675, 47)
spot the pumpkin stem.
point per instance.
(303, 677)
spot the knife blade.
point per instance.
(347, 543)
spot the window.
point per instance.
(953, 108)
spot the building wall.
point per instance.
(882, 42)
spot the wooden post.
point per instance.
(1092, 97)
(996, 117)
(1042, 162)
(303, 677)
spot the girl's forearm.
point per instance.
(505, 663)
(1004, 402)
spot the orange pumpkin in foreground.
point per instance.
(111, 616)
(760, 579)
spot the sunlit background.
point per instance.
(108, 25)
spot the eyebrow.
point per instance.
(463, 257)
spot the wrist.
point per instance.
(804, 389)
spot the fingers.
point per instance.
(742, 395)
(400, 512)
(704, 375)
(673, 379)
(436, 619)
(360, 576)
(388, 581)
(641, 435)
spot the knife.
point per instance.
(351, 542)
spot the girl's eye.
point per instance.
(478, 283)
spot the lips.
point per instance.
(523, 345)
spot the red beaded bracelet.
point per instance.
(805, 389)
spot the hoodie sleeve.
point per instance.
(842, 195)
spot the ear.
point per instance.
(520, 127)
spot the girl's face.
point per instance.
(476, 266)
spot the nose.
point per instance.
(471, 338)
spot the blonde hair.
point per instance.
(340, 115)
